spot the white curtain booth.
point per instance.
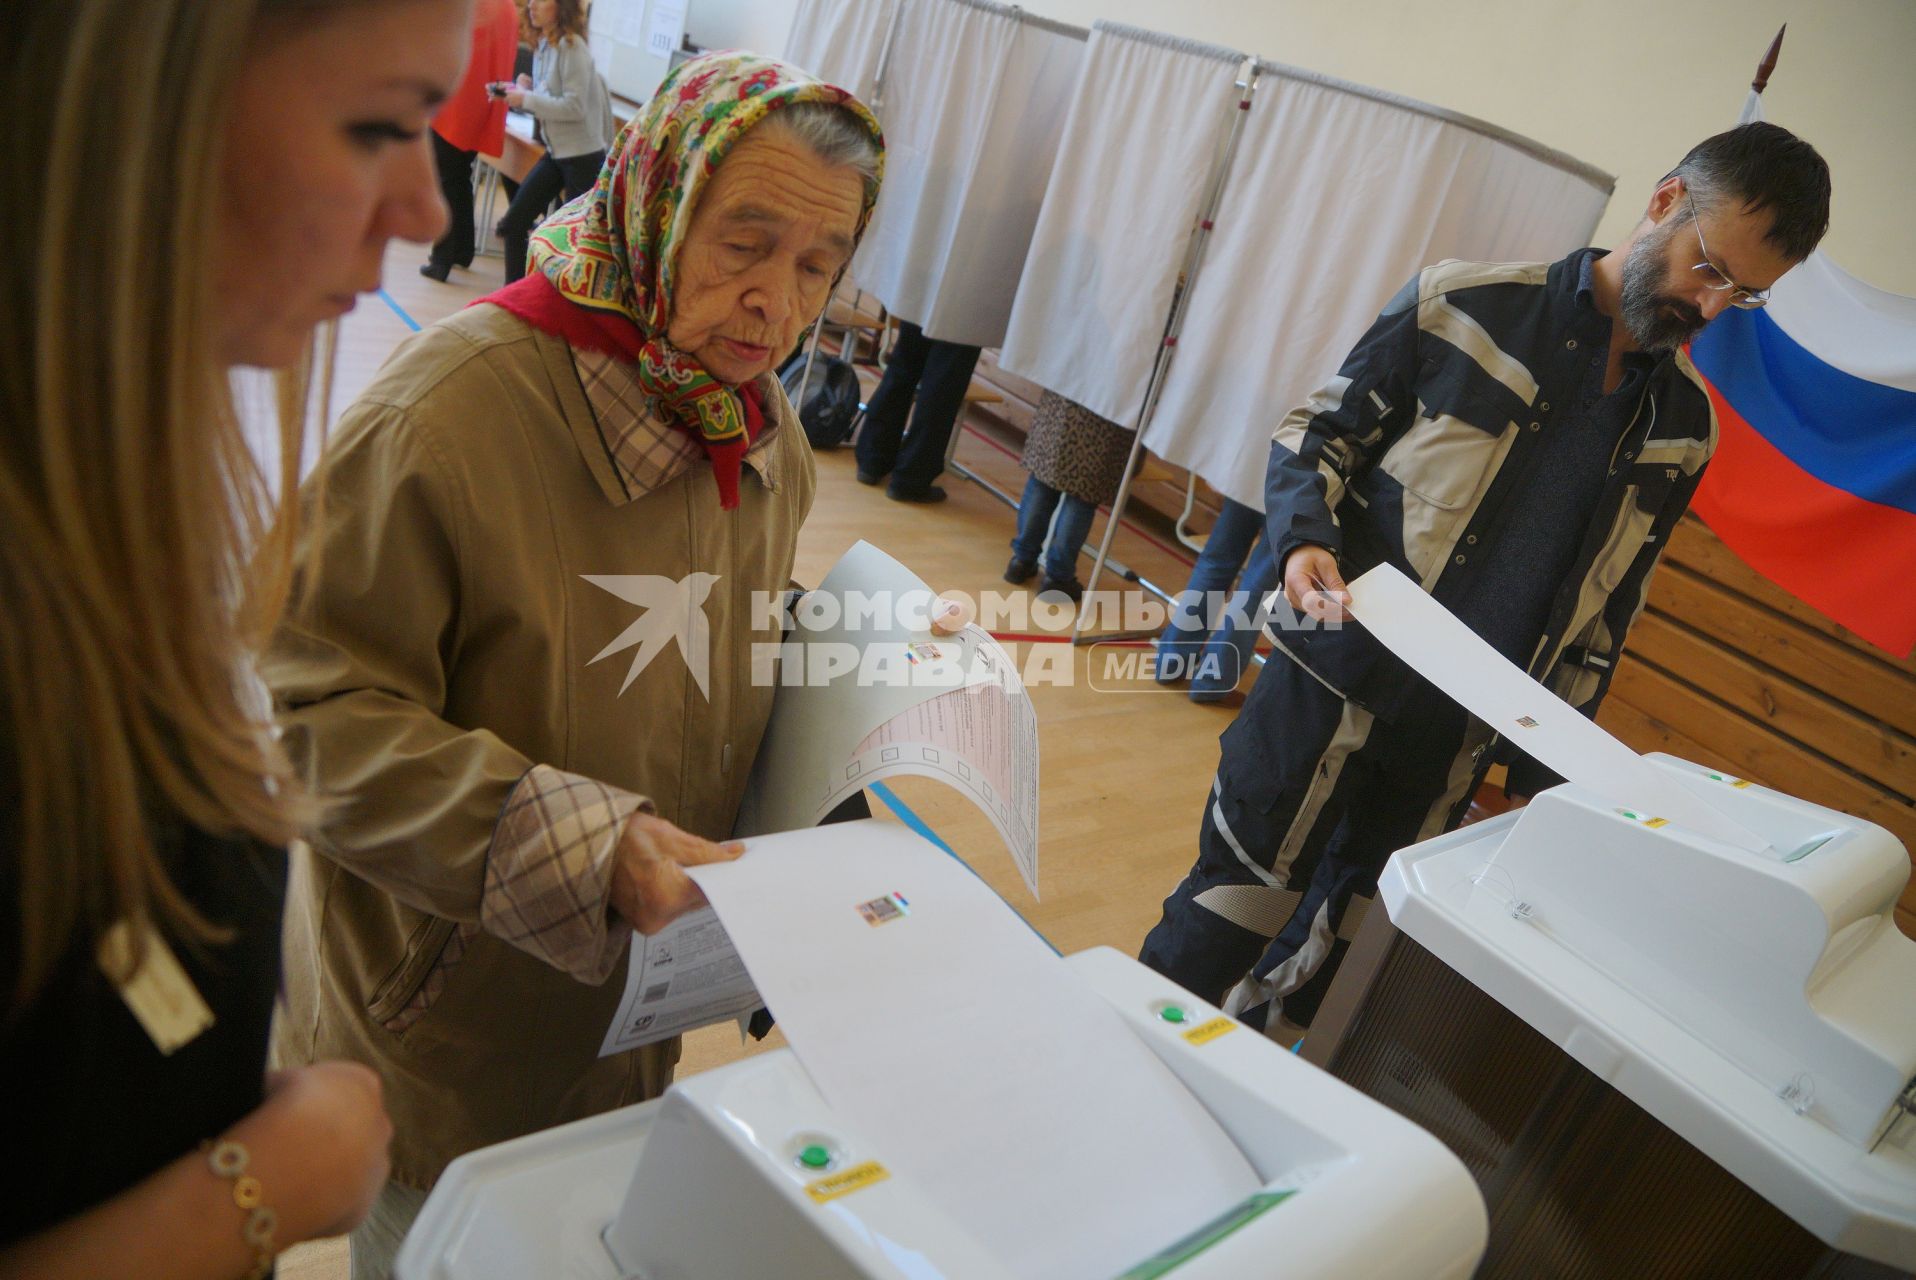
(972, 98)
(842, 42)
(1338, 195)
(1140, 140)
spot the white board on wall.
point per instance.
(632, 43)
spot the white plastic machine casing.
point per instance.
(1763, 1006)
(707, 1181)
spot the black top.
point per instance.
(1524, 568)
(90, 1106)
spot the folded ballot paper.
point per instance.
(981, 1067)
(1454, 658)
(866, 692)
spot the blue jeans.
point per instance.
(1034, 517)
(1213, 630)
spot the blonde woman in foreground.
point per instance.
(212, 181)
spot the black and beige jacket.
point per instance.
(1425, 445)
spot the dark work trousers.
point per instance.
(1291, 844)
(573, 176)
(455, 183)
(934, 374)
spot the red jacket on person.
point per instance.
(471, 120)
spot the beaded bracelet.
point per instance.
(228, 1159)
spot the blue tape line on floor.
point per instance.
(399, 311)
(905, 815)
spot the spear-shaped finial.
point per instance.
(1768, 64)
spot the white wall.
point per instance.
(1626, 84)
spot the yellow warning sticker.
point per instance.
(1205, 1032)
(846, 1181)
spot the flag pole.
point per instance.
(1765, 67)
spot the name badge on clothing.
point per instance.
(159, 993)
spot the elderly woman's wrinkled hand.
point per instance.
(649, 885)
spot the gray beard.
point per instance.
(1659, 322)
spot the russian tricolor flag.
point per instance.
(1814, 478)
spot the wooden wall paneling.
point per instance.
(1819, 660)
(1772, 698)
(1694, 546)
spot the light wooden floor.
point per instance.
(1124, 775)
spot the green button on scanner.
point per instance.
(1171, 1013)
(814, 1157)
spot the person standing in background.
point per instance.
(566, 96)
(269, 150)
(1076, 460)
(1213, 629)
(933, 374)
(472, 121)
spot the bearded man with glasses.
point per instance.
(1520, 439)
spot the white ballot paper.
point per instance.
(684, 976)
(864, 697)
(980, 1066)
(1457, 660)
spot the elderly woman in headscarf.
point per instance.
(522, 668)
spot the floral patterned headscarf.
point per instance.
(615, 250)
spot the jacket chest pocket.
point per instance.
(1443, 464)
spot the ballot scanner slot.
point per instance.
(1794, 832)
(1281, 1150)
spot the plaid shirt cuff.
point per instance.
(549, 872)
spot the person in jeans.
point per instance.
(1076, 460)
(1213, 629)
(925, 379)
(566, 96)
(472, 121)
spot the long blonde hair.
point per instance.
(142, 557)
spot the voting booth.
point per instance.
(1658, 1054)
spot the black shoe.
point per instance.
(867, 477)
(1020, 570)
(435, 270)
(1070, 588)
(929, 494)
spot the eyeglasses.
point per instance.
(1714, 280)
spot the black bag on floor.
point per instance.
(831, 398)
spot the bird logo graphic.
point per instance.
(674, 610)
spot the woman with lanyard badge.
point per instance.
(213, 181)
